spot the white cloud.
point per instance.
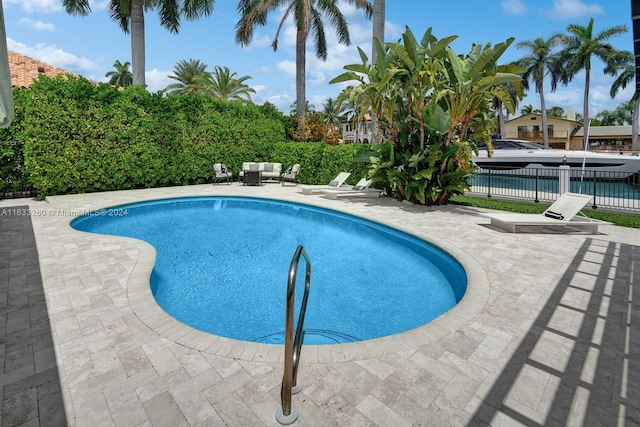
(259, 88)
(564, 10)
(157, 79)
(54, 56)
(513, 7)
(282, 102)
(289, 67)
(37, 25)
(37, 5)
(47, 6)
(260, 41)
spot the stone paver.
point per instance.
(547, 334)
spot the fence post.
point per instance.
(565, 179)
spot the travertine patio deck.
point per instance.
(547, 334)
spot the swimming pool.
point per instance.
(222, 266)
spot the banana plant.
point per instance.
(433, 104)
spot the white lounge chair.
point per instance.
(561, 213)
(361, 189)
(337, 182)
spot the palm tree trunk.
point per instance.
(137, 42)
(301, 59)
(378, 26)
(585, 107)
(634, 123)
(501, 125)
(378, 32)
(543, 113)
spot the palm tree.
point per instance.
(129, 14)
(378, 26)
(307, 15)
(580, 45)
(223, 85)
(192, 76)
(555, 111)
(540, 62)
(528, 109)
(625, 71)
(121, 76)
(331, 114)
(379, 10)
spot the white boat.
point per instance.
(515, 154)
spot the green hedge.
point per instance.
(81, 137)
(12, 174)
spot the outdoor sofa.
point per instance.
(269, 170)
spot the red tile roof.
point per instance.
(24, 70)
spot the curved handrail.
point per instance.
(293, 344)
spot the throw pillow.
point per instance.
(268, 167)
(253, 166)
(223, 168)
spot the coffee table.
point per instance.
(252, 177)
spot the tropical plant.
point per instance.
(191, 76)
(580, 45)
(624, 68)
(555, 111)
(541, 62)
(129, 14)
(121, 76)
(222, 84)
(379, 12)
(528, 109)
(435, 105)
(308, 108)
(307, 15)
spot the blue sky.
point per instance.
(89, 46)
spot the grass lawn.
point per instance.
(617, 218)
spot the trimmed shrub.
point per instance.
(82, 137)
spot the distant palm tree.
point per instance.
(223, 85)
(555, 112)
(307, 15)
(129, 14)
(191, 76)
(528, 109)
(308, 108)
(541, 62)
(625, 70)
(121, 76)
(580, 45)
(331, 114)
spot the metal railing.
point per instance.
(610, 190)
(287, 414)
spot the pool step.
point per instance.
(311, 337)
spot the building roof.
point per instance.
(24, 70)
(538, 115)
(604, 131)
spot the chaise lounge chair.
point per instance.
(337, 182)
(222, 173)
(561, 213)
(361, 189)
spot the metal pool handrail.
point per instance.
(293, 344)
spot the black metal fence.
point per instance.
(610, 190)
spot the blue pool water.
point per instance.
(222, 266)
